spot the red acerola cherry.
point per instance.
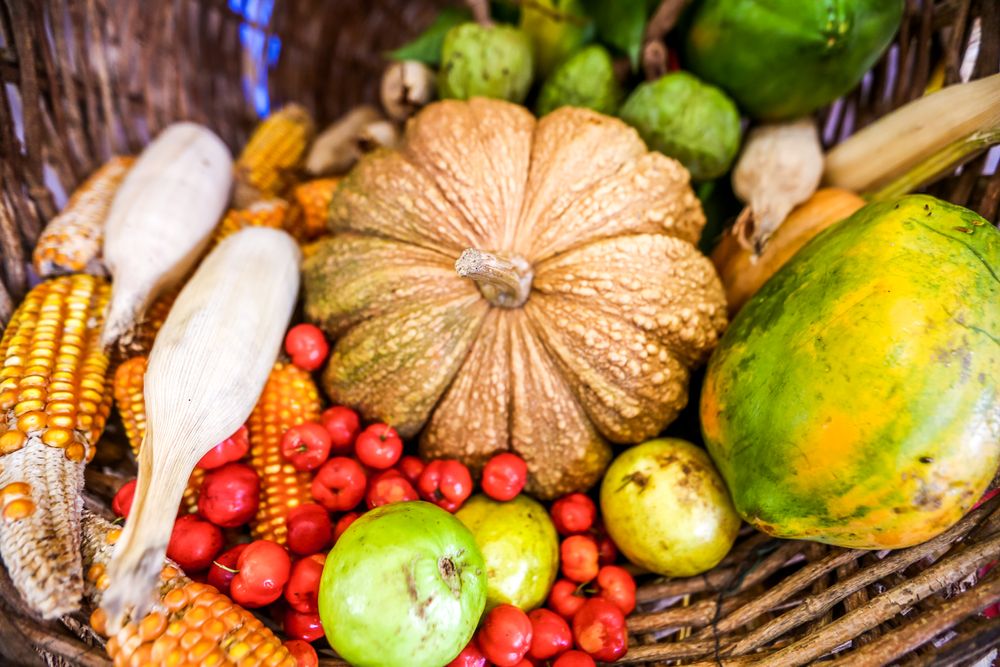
(574, 659)
(411, 467)
(607, 551)
(230, 495)
(223, 568)
(339, 484)
(504, 476)
(303, 652)
(194, 542)
(446, 483)
(264, 568)
(306, 627)
(599, 629)
(379, 446)
(505, 635)
(302, 589)
(565, 598)
(306, 446)
(578, 558)
(573, 514)
(470, 656)
(121, 504)
(389, 487)
(343, 523)
(307, 346)
(229, 450)
(616, 585)
(343, 425)
(309, 529)
(550, 634)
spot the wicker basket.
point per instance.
(91, 78)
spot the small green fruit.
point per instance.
(557, 28)
(688, 120)
(485, 61)
(666, 508)
(520, 546)
(404, 586)
(587, 79)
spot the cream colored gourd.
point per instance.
(505, 283)
(161, 219)
(779, 168)
(206, 370)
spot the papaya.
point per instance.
(854, 400)
(780, 59)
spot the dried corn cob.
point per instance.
(192, 624)
(264, 213)
(127, 389)
(53, 398)
(289, 398)
(269, 163)
(140, 342)
(71, 242)
(310, 209)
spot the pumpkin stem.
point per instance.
(504, 282)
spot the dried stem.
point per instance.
(942, 616)
(505, 283)
(887, 605)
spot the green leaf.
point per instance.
(621, 24)
(427, 47)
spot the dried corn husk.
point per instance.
(915, 143)
(206, 370)
(340, 145)
(779, 168)
(161, 219)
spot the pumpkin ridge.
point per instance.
(474, 208)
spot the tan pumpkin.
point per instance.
(584, 302)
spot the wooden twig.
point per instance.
(782, 591)
(719, 579)
(819, 604)
(934, 620)
(887, 605)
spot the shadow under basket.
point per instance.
(84, 80)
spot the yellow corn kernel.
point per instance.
(128, 393)
(54, 412)
(310, 209)
(38, 398)
(265, 213)
(194, 624)
(272, 158)
(289, 398)
(71, 242)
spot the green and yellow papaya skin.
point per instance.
(855, 399)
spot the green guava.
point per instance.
(404, 586)
(557, 28)
(485, 61)
(667, 508)
(693, 122)
(520, 547)
(586, 79)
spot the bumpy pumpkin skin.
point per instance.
(854, 400)
(621, 303)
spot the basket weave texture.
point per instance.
(86, 79)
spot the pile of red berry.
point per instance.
(586, 608)
(355, 469)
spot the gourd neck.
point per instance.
(504, 281)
